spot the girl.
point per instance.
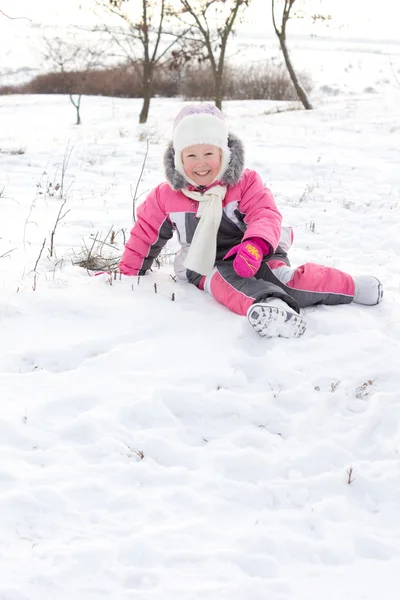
(229, 229)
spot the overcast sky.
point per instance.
(358, 17)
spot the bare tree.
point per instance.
(144, 38)
(74, 60)
(281, 33)
(215, 38)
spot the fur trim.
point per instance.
(175, 179)
(235, 168)
(231, 175)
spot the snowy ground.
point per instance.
(161, 450)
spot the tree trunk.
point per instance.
(302, 94)
(147, 93)
(144, 113)
(218, 92)
(77, 105)
(78, 111)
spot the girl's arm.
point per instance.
(148, 237)
(262, 216)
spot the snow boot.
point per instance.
(274, 318)
(368, 290)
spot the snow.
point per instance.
(159, 449)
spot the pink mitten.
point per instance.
(249, 255)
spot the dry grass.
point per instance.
(103, 253)
(12, 151)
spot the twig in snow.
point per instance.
(59, 218)
(67, 156)
(394, 74)
(134, 196)
(139, 453)
(365, 389)
(40, 254)
(15, 18)
(7, 253)
(334, 386)
(350, 474)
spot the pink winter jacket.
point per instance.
(249, 211)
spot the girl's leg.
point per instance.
(270, 310)
(310, 284)
(237, 293)
(315, 284)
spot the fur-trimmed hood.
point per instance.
(232, 173)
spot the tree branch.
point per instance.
(159, 32)
(278, 33)
(164, 52)
(15, 18)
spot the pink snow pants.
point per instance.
(307, 285)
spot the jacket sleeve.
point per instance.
(149, 235)
(262, 217)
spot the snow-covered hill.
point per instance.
(159, 449)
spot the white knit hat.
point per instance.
(200, 124)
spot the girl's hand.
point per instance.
(249, 256)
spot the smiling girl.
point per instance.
(232, 243)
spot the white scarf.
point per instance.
(203, 249)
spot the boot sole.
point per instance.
(270, 321)
(380, 292)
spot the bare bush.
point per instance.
(198, 83)
(166, 83)
(257, 82)
(118, 82)
(265, 81)
(7, 90)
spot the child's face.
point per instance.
(201, 163)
